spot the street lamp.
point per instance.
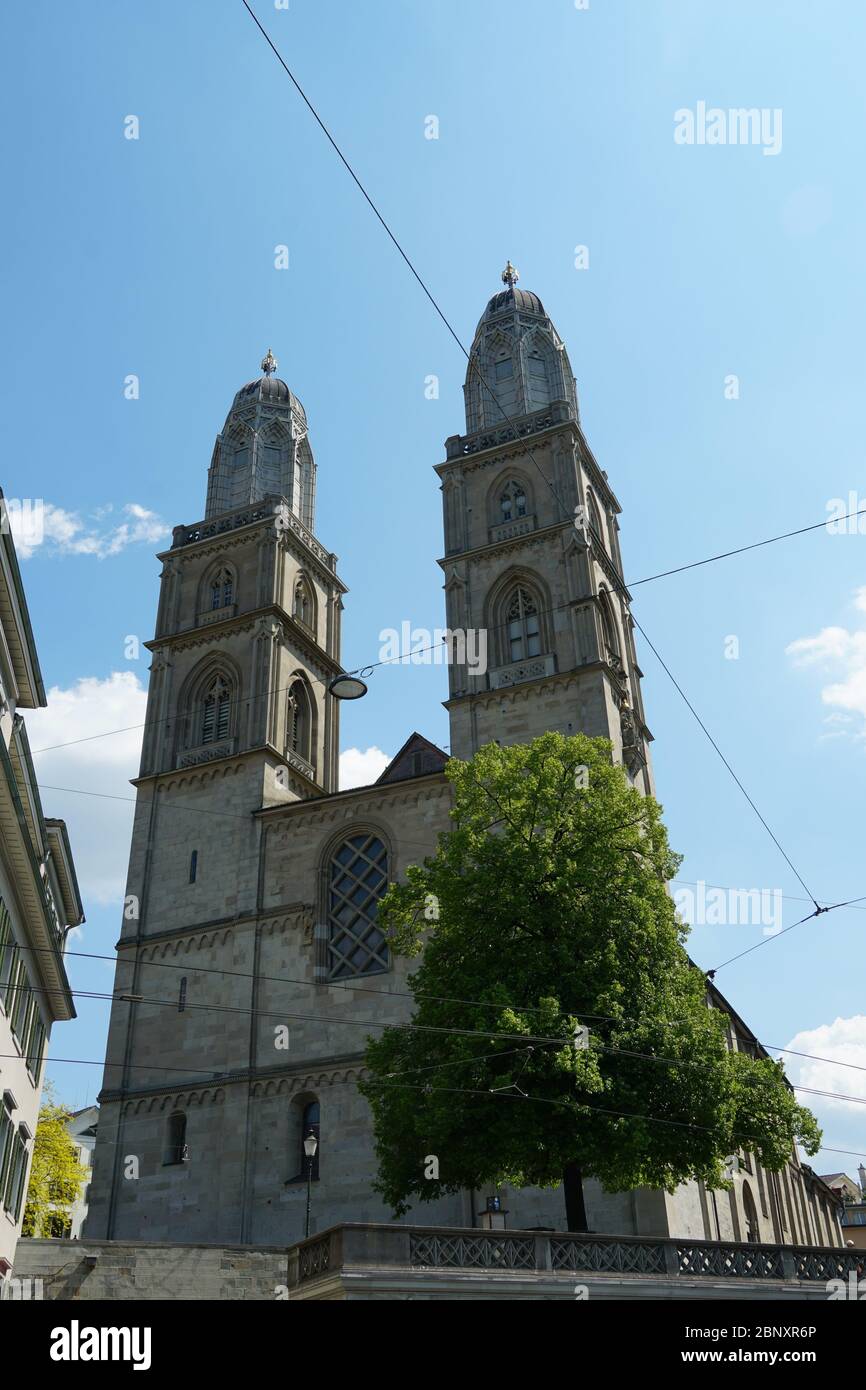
(311, 1144)
(347, 687)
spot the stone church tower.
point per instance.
(532, 551)
(250, 966)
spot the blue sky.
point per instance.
(155, 257)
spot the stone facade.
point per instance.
(250, 969)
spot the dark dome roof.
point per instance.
(271, 390)
(513, 299)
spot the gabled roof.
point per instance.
(417, 758)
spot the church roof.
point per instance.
(417, 758)
(523, 301)
(272, 391)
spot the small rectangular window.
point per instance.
(181, 995)
(193, 865)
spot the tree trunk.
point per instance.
(575, 1207)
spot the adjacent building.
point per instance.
(250, 963)
(851, 1196)
(39, 902)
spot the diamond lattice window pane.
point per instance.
(358, 876)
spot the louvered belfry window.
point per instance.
(217, 707)
(524, 633)
(357, 878)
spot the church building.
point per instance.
(250, 964)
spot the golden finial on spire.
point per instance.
(269, 363)
(510, 276)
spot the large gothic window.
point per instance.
(512, 503)
(357, 878)
(216, 709)
(299, 721)
(222, 589)
(524, 632)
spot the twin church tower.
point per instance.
(250, 965)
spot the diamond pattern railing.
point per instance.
(472, 1252)
(423, 1248)
(731, 1261)
(314, 1259)
(608, 1256)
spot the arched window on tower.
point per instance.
(357, 876)
(216, 710)
(524, 631)
(222, 590)
(595, 519)
(303, 602)
(512, 502)
(608, 623)
(299, 721)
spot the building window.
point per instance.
(302, 608)
(512, 503)
(8, 954)
(181, 995)
(524, 632)
(7, 1148)
(310, 1125)
(176, 1148)
(217, 707)
(13, 1193)
(299, 721)
(753, 1230)
(611, 641)
(193, 865)
(222, 590)
(503, 369)
(357, 878)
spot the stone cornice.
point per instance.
(324, 809)
(204, 634)
(330, 1071)
(531, 689)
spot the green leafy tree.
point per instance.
(544, 911)
(56, 1175)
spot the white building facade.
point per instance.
(39, 901)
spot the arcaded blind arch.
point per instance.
(357, 876)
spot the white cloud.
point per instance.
(359, 769)
(839, 653)
(844, 1040)
(38, 525)
(99, 826)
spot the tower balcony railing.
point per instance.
(206, 752)
(518, 671)
(459, 445)
(510, 530)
